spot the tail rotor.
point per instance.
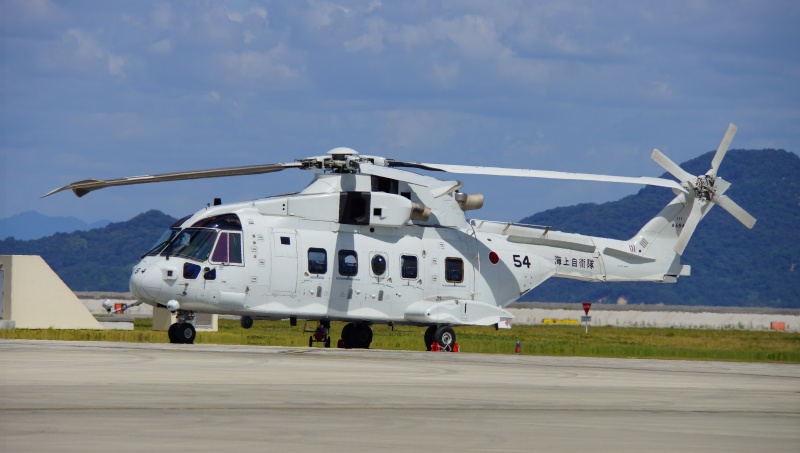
(704, 190)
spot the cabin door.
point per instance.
(284, 261)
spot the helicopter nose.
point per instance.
(146, 282)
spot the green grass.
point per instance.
(554, 340)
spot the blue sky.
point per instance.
(120, 88)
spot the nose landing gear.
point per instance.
(182, 332)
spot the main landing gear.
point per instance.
(356, 335)
(445, 336)
(183, 332)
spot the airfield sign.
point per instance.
(586, 319)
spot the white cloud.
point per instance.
(321, 14)
(474, 36)
(162, 16)
(253, 65)
(84, 45)
(446, 74)
(116, 65)
(371, 41)
(162, 47)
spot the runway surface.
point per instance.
(76, 396)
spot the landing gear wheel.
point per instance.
(446, 337)
(347, 335)
(246, 322)
(357, 335)
(171, 333)
(429, 333)
(362, 336)
(185, 333)
(310, 341)
(327, 342)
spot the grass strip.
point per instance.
(550, 340)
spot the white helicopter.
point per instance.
(367, 242)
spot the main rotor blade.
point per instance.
(545, 174)
(735, 210)
(689, 227)
(673, 168)
(722, 149)
(81, 188)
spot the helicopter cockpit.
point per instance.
(217, 238)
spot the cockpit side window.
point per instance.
(228, 249)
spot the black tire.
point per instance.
(246, 322)
(185, 333)
(310, 341)
(429, 333)
(446, 337)
(362, 336)
(171, 333)
(327, 342)
(347, 335)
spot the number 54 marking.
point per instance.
(520, 262)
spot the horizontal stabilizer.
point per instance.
(627, 255)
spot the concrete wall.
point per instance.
(34, 297)
(663, 319)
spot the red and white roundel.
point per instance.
(494, 258)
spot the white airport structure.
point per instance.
(34, 297)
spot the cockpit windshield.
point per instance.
(162, 242)
(192, 243)
(166, 237)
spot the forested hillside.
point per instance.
(731, 265)
(96, 260)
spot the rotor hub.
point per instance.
(705, 188)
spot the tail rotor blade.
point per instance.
(672, 167)
(722, 149)
(689, 227)
(735, 210)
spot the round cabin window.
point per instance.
(378, 265)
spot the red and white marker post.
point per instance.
(586, 319)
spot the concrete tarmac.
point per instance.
(87, 396)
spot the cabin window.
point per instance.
(285, 240)
(317, 261)
(229, 248)
(348, 263)
(454, 270)
(408, 266)
(378, 264)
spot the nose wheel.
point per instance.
(182, 333)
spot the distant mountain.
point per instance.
(33, 225)
(96, 260)
(731, 265)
